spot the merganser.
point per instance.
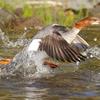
(57, 43)
(61, 43)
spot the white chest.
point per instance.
(34, 45)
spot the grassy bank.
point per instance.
(46, 14)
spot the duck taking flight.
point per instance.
(61, 43)
(55, 42)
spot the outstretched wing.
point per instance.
(57, 48)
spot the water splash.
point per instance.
(27, 64)
(30, 64)
(34, 60)
(24, 63)
(4, 38)
(21, 41)
(93, 52)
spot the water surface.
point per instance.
(82, 84)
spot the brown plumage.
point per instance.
(57, 48)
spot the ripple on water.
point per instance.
(80, 84)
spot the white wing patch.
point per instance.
(34, 45)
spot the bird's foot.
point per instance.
(50, 64)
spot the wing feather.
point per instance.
(57, 48)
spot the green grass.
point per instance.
(50, 15)
(27, 11)
(46, 14)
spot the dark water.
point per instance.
(83, 84)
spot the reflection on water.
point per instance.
(60, 87)
(82, 84)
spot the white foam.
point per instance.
(34, 45)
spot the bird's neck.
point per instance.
(82, 24)
(76, 29)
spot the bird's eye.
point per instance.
(95, 19)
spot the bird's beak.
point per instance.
(96, 22)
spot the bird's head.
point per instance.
(87, 21)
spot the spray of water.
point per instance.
(27, 64)
(21, 41)
(93, 52)
(30, 63)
